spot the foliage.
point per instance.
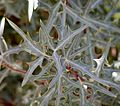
(60, 53)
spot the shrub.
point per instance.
(62, 53)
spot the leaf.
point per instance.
(47, 97)
(63, 31)
(75, 6)
(32, 4)
(3, 44)
(63, 23)
(71, 82)
(45, 30)
(44, 70)
(97, 2)
(45, 5)
(31, 69)
(58, 65)
(73, 45)
(17, 29)
(30, 49)
(85, 70)
(35, 4)
(2, 25)
(109, 15)
(53, 17)
(101, 60)
(79, 50)
(100, 89)
(77, 85)
(27, 40)
(59, 93)
(103, 25)
(54, 80)
(82, 97)
(56, 59)
(79, 18)
(92, 22)
(73, 34)
(14, 50)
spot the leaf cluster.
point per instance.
(67, 52)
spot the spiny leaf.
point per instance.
(14, 50)
(17, 29)
(26, 39)
(73, 34)
(46, 34)
(57, 62)
(101, 60)
(53, 16)
(79, 18)
(47, 97)
(100, 89)
(44, 70)
(92, 22)
(31, 69)
(59, 93)
(85, 70)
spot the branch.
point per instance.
(12, 68)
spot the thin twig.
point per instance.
(21, 71)
(12, 68)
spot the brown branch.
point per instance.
(11, 67)
(21, 71)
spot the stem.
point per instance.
(12, 68)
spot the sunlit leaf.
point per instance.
(32, 4)
(2, 24)
(101, 60)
